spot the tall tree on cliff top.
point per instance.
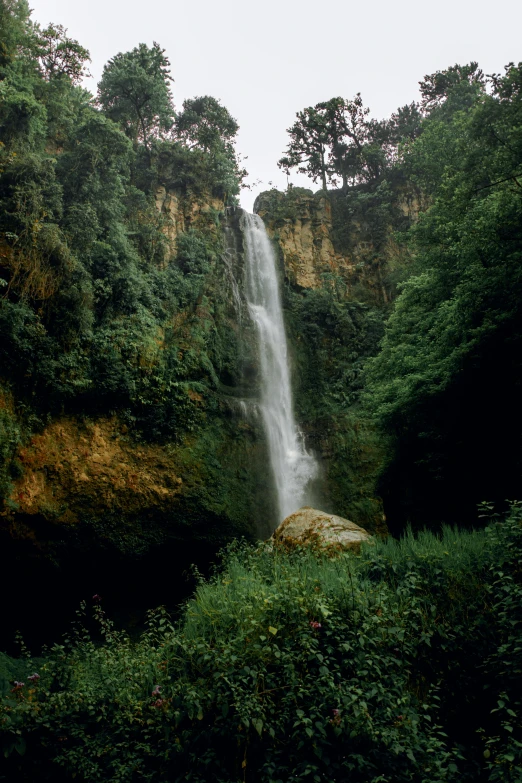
(206, 124)
(308, 149)
(134, 91)
(61, 56)
(356, 151)
(335, 138)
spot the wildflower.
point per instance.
(156, 691)
(96, 597)
(158, 703)
(34, 677)
(315, 625)
(336, 720)
(17, 686)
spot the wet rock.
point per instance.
(309, 526)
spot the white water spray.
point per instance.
(292, 465)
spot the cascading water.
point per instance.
(293, 467)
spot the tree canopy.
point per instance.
(308, 147)
(206, 124)
(60, 55)
(335, 139)
(134, 92)
(445, 378)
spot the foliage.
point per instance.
(336, 138)
(398, 665)
(61, 56)
(134, 92)
(455, 329)
(206, 124)
(308, 147)
(455, 88)
(356, 155)
(331, 338)
(9, 440)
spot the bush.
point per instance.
(398, 665)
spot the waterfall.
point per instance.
(292, 466)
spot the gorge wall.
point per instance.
(351, 237)
(131, 488)
(340, 260)
(175, 469)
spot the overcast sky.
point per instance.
(267, 61)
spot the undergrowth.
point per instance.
(399, 664)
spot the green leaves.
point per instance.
(134, 91)
(452, 332)
(335, 138)
(361, 696)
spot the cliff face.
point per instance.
(302, 227)
(350, 238)
(181, 211)
(340, 261)
(74, 468)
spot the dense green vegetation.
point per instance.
(446, 379)
(92, 286)
(444, 383)
(113, 307)
(402, 664)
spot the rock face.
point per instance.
(320, 236)
(305, 240)
(71, 468)
(310, 526)
(180, 212)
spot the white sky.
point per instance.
(267, 61)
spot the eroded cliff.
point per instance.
(351, 237)
(340, 259)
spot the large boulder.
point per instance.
(308, 526)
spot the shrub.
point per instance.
(397, 665)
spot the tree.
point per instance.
(335, 138)
(351, 140)
(60, 55)
(308, 147)
(134, 91)
(206, 124)
(458, 86)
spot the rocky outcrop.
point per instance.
(304, 237)
(347, 236)
(74, 468)
(181, 212)
(91, 483)
(308, 526)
